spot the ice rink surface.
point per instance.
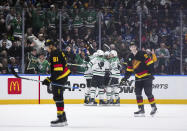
(84, 118)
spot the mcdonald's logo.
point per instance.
(14, 86)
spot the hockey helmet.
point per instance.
(100, 53)
(95, 54)
(49, 42)
(107, 53)
(114, 53)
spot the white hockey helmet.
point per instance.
(100, 53)
(95, 54)
(107, 53)
(114, 53)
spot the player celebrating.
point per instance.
(142, 65)
(88, 76)
(59, 75)
(114, 79)
(98, 69)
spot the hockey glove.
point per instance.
(151, 77)
(47, 81)
(123, 81)
(49, 89)
(101, 64)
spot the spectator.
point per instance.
(3, 29)
(15, 50)
(16, 25)
(79, 59)
(174, 61)
(39, 43)
(5, 40)
(31, 62)
(163, 56)
(43, 65)
(13, 64)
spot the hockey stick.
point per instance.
(107, 47)
(71, 64)
(55, 84)
(134, 81)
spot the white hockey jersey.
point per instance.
(114, 67)
(88, 73)
(96, 69)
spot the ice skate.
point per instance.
(60, 122)
(153, 111)
(92, 102)
(110, 102)
(102, 103)
(140, 113)
(117, 103)
(86, 101)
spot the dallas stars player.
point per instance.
(59, 75)
(114, 79)
(88, 76)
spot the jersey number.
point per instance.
(55, 59)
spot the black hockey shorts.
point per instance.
(58, 91)
(88, 82)
(113, 81)
(146, 85)
(97, 81)
(106, 80)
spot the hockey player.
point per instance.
(88, 76)
(142, 65)
(98, 69)
(107, 71)
(113, 89)
(59, 75)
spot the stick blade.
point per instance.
(13, 72)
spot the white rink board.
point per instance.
(164, 87)
(29, 88)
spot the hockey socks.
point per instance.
(61, 116)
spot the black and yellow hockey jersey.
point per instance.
(59, 69)
(141, 64)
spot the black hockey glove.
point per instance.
(123, 81)
(101, 64)
(49, 89)
(46, 82)
(87, 59)
(151, 77)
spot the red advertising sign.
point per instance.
(14, 86)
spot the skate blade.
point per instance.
(91, 105)
(102, 105)
(154, 114)
(116, 104)
(86, 104)
(62, 124)
(139, 115)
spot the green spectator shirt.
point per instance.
(43, 67)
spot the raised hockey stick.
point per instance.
(107, 47)
(17, 76)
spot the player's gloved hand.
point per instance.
(85, 66)
(123, 81)
(151, 77)
(46, 82)
(49, 89)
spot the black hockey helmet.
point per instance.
(132, 43)
(49, 42)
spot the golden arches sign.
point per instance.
(14, 86)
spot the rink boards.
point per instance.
(166, 89)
